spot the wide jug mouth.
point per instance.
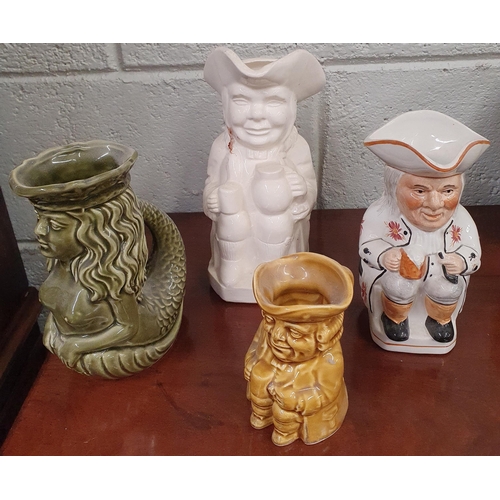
(77, 175)
(303, 287)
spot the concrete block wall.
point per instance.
(153, 98)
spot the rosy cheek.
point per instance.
(451, 203)
(411, 201)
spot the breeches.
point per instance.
(436, 286)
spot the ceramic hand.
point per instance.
(297, 184)
(453, 263)
(391, 259)
(68, 353)
(213, 202)
(300, 211)
(55, 344)
(285, 397)
(310, 400)
(51, 334)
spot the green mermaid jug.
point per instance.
(115, 304)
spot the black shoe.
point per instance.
(439, 332)
(399, 332)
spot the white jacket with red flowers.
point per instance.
(383, 228)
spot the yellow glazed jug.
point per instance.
(294, 366)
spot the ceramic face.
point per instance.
(56, 234)
(291, 342)
(259, 118)
(428, 203)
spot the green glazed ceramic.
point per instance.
(114, 308)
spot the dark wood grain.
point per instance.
(12, 275)
(192, 402)
(21, 349)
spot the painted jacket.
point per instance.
(383, 228)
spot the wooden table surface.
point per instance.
(192, 402)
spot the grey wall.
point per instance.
(153, 98)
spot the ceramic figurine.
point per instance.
(418, 245)
(294, 366)
(112, 311)
(261, 184)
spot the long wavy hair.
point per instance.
(115, 250)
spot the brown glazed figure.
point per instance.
(294, 366)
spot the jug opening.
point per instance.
(298, 297)
(257, 64)
(69, 167)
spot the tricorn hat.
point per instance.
(427, 144)
(299, 71)
(78, 175)
(304, 287)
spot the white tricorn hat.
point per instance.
(299, 71)
(427, 143)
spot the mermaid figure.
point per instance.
(114, 308)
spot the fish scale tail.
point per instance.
(163, 292)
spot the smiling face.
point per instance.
(259, 117)
(291, 342)
(56, 234)
(428, 203)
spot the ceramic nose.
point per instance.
(434, 200)
(257, 111)
(279, 331)
(41, 228)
